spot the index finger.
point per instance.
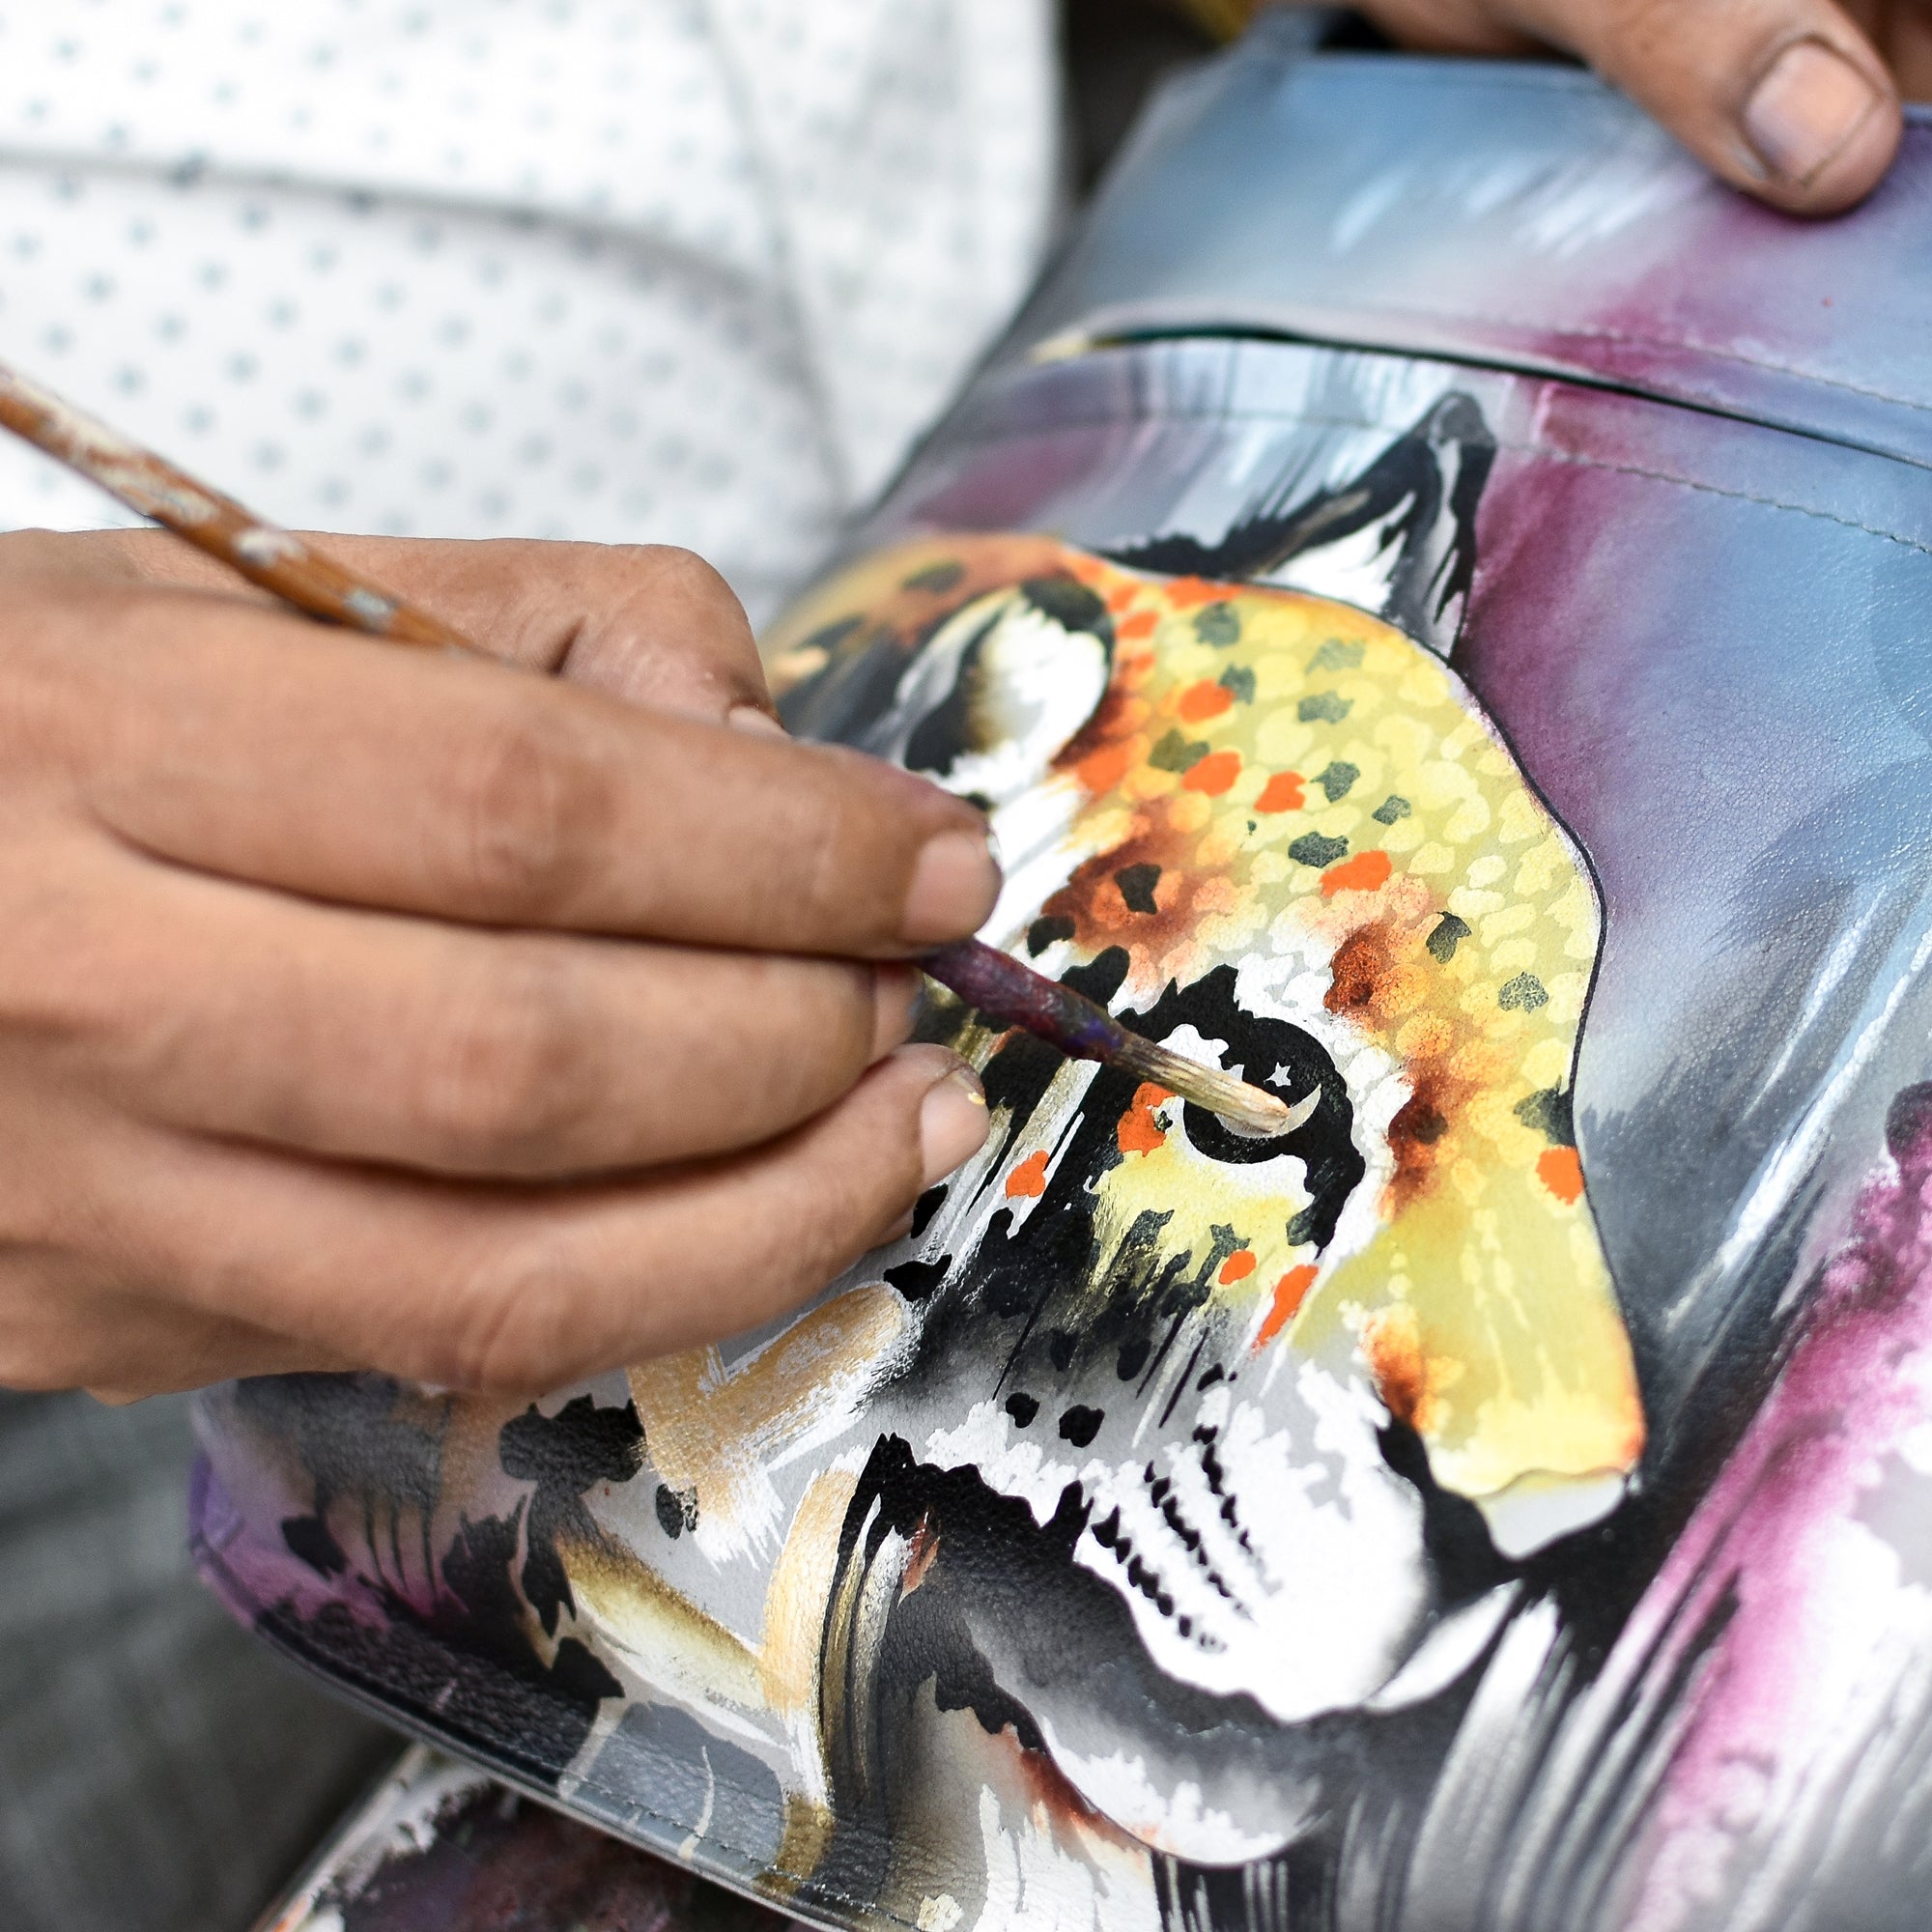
(648, 622)
(244, 742)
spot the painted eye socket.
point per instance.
(1001, 689)
(1281, 1058)
(1210, 1135)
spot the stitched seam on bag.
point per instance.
(1716, 489)
(1542, 80)
(1593, 331)
(990, 438)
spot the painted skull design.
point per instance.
(1168, 1449)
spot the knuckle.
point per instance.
(69, 976)
(678, 607)
(1636, 23)
(838, 1215)
(518, 1327)
(532, 798)
(1662, 42)
(835, 1232)
(41, 1349)
(851, 847)
(499, 1075)
(828, 1014)
(683, 574)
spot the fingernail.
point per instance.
(1806, 109)
(760, 723)
(895, 992)
(953, 1122)
(953, 887)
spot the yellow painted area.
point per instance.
(1440, 920)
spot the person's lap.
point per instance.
(159, 1768)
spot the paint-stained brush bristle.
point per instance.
(1235, 1101)
(1002, 989)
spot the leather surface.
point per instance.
(1509, 212)
(1497, 1508)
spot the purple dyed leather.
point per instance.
(1510, 213)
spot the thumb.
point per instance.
(1784, 98)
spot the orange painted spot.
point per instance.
(1290, 1292)
(1028, 1181)
(1102, 770)
(1204, 700)
(1215, 774)
(924, 1548)
(1392, 1339)
(1124, 598)
(1139, 1132)
(1238, 1266)
(1281, 793)
(1140, 625)
(1119, 717)
(1362, 873)
(1561, 1170)
(1187, 591)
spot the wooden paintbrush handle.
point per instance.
(275, 559)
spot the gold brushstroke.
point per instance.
(795, 1599)
(713, 1431)
(803, 1841)
(667, 1638)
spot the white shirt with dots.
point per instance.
(684, 271)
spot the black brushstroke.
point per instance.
(1423, 492)
(1045, 932)
(358, 1446)
(1137, 884)
(916, 1280)
(469, 1670)
(564, 1454)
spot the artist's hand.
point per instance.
(364, 1007)
(1793, 101)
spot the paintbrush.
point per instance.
(1001, 988)
(1004, 990)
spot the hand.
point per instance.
(365, 1008)
(1795, 101)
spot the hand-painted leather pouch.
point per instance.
(1437, 597)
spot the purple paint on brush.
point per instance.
(1000, 989)
(998, 986)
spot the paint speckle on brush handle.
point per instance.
(999, 986)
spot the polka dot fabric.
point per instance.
(667, 270)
